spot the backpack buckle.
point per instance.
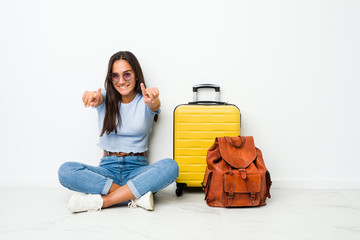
(252, 198)
(252, 195)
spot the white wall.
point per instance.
(292, 67)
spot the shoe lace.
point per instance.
(92, 205)
(132, 204)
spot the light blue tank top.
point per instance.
(135, 128)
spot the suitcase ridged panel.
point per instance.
(195, 129)
(192, 144)
(208, 118)
(206, 126)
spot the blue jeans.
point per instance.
(134, 171)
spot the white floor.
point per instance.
(41, 213)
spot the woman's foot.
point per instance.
(85, 202)
(146, 201)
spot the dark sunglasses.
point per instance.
(115, 77)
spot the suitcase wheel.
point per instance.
(180, 188)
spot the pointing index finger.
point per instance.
(142, 88)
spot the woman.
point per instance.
(126, 111)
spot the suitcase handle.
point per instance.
(208, 103)
(213, 86)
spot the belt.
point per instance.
(122, 154)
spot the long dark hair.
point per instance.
(113, 97)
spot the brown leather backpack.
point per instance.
(236, 175)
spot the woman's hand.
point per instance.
(151, 97)
(92, 98)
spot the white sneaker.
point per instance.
(146, 201)
(85, 202)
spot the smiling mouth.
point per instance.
(123, 87)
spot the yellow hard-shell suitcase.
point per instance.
(196, 125)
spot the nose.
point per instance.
(121, 80)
